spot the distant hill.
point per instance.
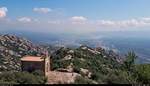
(135, 40)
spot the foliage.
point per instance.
(38, 73)
(130, 61)
(143, 73)
(104, 67)
(81, 80)
(21, 78)
(95, 63)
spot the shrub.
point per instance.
(38, 72)
(129, 63)
(82, 80)
(143, 73)
(21, 78)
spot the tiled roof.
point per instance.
(32, 58)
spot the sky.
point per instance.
(74, 16)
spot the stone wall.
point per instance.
(47, 65)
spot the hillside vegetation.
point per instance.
(100, 66)
(94, 65)
(35, 77)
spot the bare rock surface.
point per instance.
(55, 77)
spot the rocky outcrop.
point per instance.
(85, 72)
(55, 77)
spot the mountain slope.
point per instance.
(94, 64)
(12, 48)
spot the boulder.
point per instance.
(85, 72)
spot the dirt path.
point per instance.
(55, 77)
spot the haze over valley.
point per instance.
(75, 42)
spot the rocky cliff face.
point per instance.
(12, 48)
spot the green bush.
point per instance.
(143, 73)
(21, 78)
(111, 78)
(81, 80)
(6, 82)
(38, 73)
(129, 63)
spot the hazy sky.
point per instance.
(74, 16)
